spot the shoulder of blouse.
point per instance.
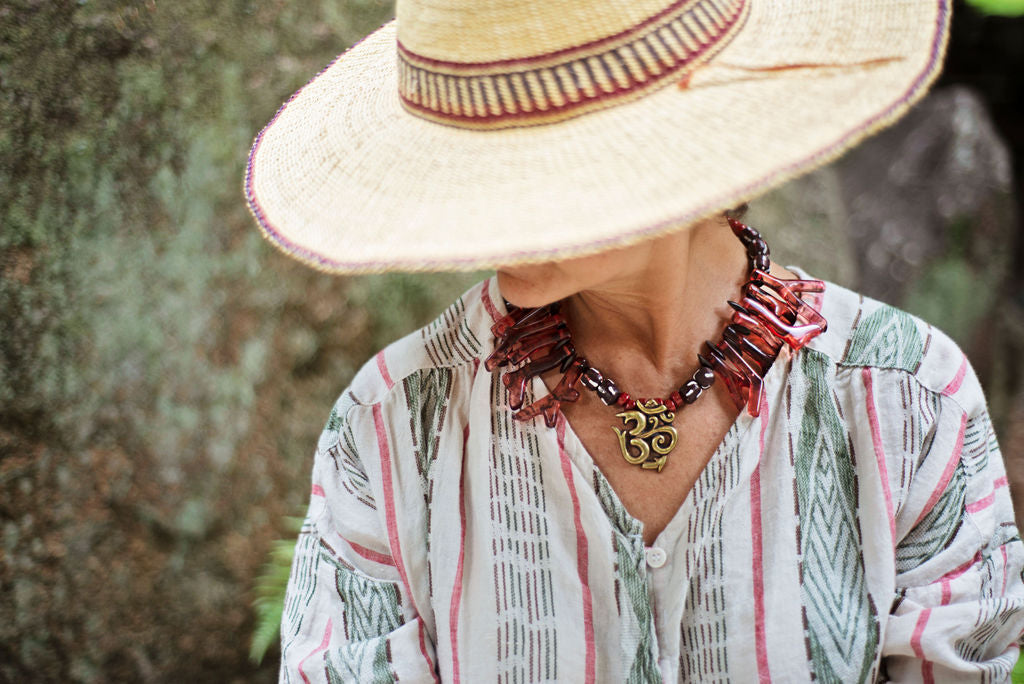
(865, 333)
(459, 337)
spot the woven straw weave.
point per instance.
(452, 140)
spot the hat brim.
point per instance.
(346, 180)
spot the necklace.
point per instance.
(770, 314)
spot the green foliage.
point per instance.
(1006, 8)
(950, 293)
(400, 302)
(1017, 674)
(147, 384)
(951, 296)
(270, 590)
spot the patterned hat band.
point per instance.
(469, 134)
(564, 83)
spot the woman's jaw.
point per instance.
(648, 267)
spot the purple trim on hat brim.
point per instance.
(303, 254)
(822, 156)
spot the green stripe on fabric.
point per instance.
(333, 420)
(427, 393)
(371, 611)
(887, 338)
(631, 563)
(842, 622)
(937, 529)
(365, 661)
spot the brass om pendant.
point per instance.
(649, 435)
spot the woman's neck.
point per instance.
(645, 325)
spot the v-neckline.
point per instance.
(583, 462)
(734, 437)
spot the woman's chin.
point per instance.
(527, 290)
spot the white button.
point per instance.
(656, 556)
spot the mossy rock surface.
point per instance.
(163, 372)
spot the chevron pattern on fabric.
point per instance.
(885, 338)
(919, 408)
(355, 481)
(333, 420)
(302, 588)
(366, 661)
(938, 527)
(842, 621)
(370, 611)
(371, 607)
(633, 576)
(974, 646)
(427, 394)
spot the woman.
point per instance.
(548, 483)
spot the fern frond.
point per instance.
(270, 591)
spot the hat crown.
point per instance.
(470, 31)
(512, 64)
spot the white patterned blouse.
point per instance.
(859, 529)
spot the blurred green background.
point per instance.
(164, 373)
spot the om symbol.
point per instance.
(649, 435)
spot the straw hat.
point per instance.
(468, 134)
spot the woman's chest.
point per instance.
(545, 561)
(650, 495)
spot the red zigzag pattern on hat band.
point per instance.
(569, 82)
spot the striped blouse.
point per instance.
(859, 529)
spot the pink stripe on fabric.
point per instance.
(485, 297)
(947, 591)
(317, 490)
(1002, 549)
(582, 556)
(757, 560)
(370, 554)
(915, 638)
(915, 643)
(981, 504)
(382, 366)
(389, 498)
(319, 649)
(956, 572)
(426, 656)
(876, 440)
(957, 380)
(947, 473)
(453, 615)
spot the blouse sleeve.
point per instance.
(959, 608)
(348, 615)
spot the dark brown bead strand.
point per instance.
(769, 314)
(690, 391)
